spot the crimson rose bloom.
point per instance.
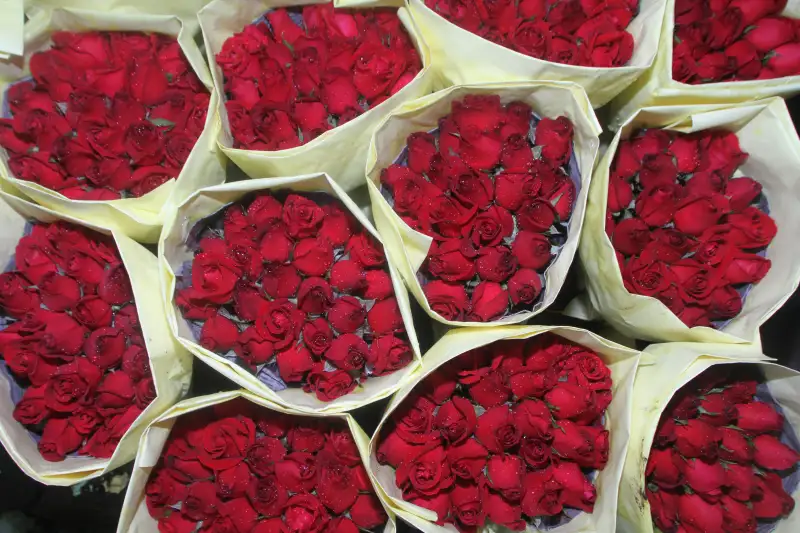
(724, 467)
(236, 467)
(492, 187)
(474, 445)
(296, 73)
(595, 29)
(685, 230)
(73, 341)
(293, 287)
(108, 115)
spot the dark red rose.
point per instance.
(603, 45)
(346, 314)
(348, 352)
(252, 347)
(620, 194)
(294, 362)
(489, 302)
(71, 384)
(695, 281)
(448, 300)
(305, 513)
(456, 420)
(347, 276)
(201, 502)
(17, 297)
(426, 474)
(775, 502)
(697, 513)
(468, 459)
(329, 385)
(115, 393)
(495, 264)
(630, 236)
(104, 347)
(725, 28)
(753, 11)
(696, 439)
(280, 323)
(448, 262)
(758, 417)
(555, 138)
(219, 334)
(663, 468)
(737, 517)
(496, 429)
(543, 494)
(267, 496)
(224, 443)
(367, 512)
(58, 439)
(772, 454)
(696, 214)
(314, 296)
(524, 286)
(31, 408)
(389, 354)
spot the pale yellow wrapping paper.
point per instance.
(657, 88)
(664, 369)
(173, 252)
(766, 132)
(139, 218)
(136, 519)
(170, 363)
(339, 152)
(407, 247)
(622, 362)
(461, 57)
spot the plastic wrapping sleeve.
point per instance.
(664, 369)
(135, 517)
(139, 218)
(339, 152)
(622, 362)
(173, 252)
(461, 57)
(766, 133)
(170, 363)
(656, 86)
(408, 248)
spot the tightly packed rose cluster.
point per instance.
(734, 40)
(719, 461)
(295, 288)
(492, 187)
(685, 230)
(249, 470)
(299, 72)
(107, 115)
(73, 341)
(507, 434)
(589, 33)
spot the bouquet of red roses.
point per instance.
(73, 355)
(511, 433)
(724, 458)
(291, 74)
(233, 462)
(733, 40)
(289, 287)
(686, 230)
(108, 115)
(684, 238)
(601, 45)
(494, 188)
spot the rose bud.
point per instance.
(497, 430)
(734, 447)
(569, 401)
(741, 192)
(218, 334)
(630, 236)
(505, 473)
(449, 300)
(772, 454)
(489, 302)
(758, 417)
(774, 502)
(524, 286)
(696, 439)
(737, 516)
(662, 468)
(741, 481)
(579, 492)
(543, 494)
(663, 508)
(700, 515)
(466, 506)
(620, 194)
(705, 479)
(456, 420)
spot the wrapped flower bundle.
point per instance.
(509, 434)
(298, 72)
(292, 287)
(494, 186)
(242, 468)
(724, 458)
(107, 115)
(72, 341)
(589, 33)
(734, 40)
(686, 228)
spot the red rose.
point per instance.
(496, 429)
(466, 506)
(389, 354)
(427, 474)
(775, 502)
(753, 11)
(758, 417)
(346, 314)
(604, 46)
(305, 514)
(696, 439)
(71, 384)
(337, 226)
(490, 227)
(329, 385)
(93, 312)
(115, 393)
(450, 301)
(448, 262)
(421, 149)
(252, 347)
(495, 264)
(34, 258)
(348, 276)
(367, 512)
(784, 61)
(524, 286)
(348, 352)
(317, 336)
(569, 401)
(532, 250)
(555, 138)
(201, 501)
(16, 295)
(467, 460)
(694, 215)
(489, 302)
(224, 443)
(737, 517)
(509, 189)
(697, 514)
(280, 323)
(705, 479)
(772, 454)
(630, 236)
(543, 494)
(104, 347)
(280, 281)
(302, 216)
(58, 439)
(38, 168)
(456, 420)
(663, 470)
(365, 250)
(267, 496)
(32, 407)
(735, 447)
(314, 296)
(294, 362)
(620, 194)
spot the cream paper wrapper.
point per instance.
(461, 57)
(664, 369)
(657, 88)
(170, 364)
(136, 519)
(621, 361)
(408, 248)
(139, 218)
(340, 152)
(766, 132)
(173, 252)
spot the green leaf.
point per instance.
(170, 77)
(162, 122)
(289, 46)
